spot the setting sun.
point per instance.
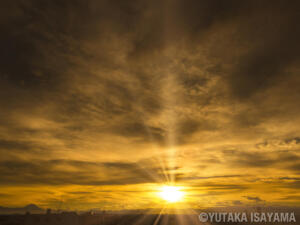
(171, 193)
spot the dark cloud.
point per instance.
(291, 197)
(54, 53)
(237, 202)
(22, 146)
(289, 178)
(218, 187)
(292, 185)
(291, 140)
(140, 130)
(15, 145)
(262, 159)
(295, 167)
(58, 172)
(256, 199)
(275, 48)
(182, 178)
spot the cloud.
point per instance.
(237, 202)
(261, 159)
(16, 145)
(58, 172)
(256, 199)
(91, 93)
(274, 49)
(180, 178)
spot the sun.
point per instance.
(171, 194)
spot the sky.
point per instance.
(104, 101)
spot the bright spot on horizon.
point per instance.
(171, 194)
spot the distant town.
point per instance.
(34, 215)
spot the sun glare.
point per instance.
(171, 194)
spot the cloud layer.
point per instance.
(112, 93)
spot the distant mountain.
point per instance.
(31, 208)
